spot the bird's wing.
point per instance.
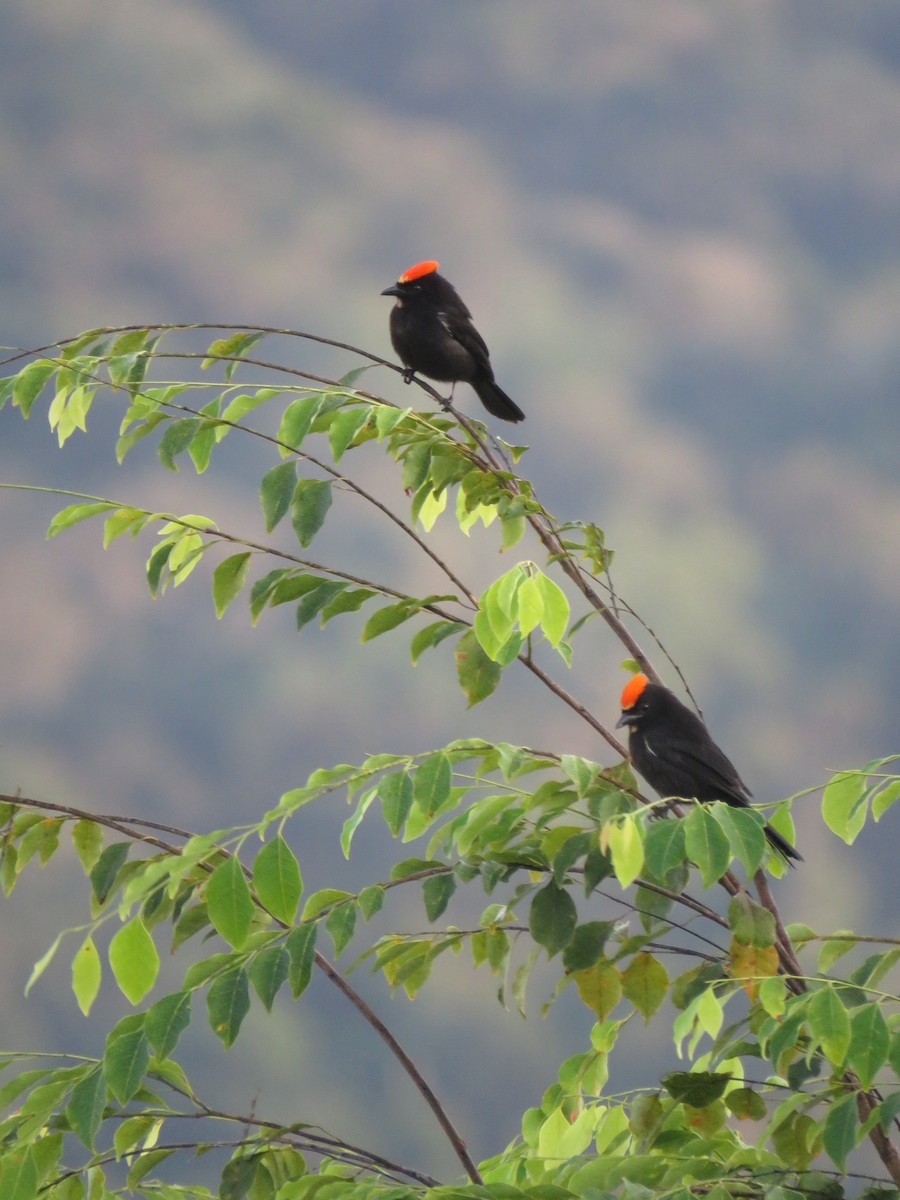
(464, 332)
(713, 769)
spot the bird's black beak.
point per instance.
(627, 718)
(393, 290)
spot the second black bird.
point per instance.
(671, 747)
(432, 333)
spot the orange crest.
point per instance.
(632, 690)
(417, 270)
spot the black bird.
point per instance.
(671, 747)
(432, 332)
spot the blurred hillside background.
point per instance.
(677, 226)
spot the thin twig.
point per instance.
(322, 963)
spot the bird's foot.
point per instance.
(408, 375)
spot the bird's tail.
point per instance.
(782, 846)
(495, 400)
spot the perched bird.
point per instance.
(671, 747)
(432, 332)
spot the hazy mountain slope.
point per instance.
(676, 224)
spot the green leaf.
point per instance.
(746, 1104)
(30, 383)
(301, 948)
(324, 898)
(237, 1178)
(165, 1022)
(346, 600)
(436, 892)
(298, 418)
(105, 870)
(86, 1104)
(229, 903)
(396, 793)
(142, 1165)
(202, 443)
(840, 1130)
(87, 838)
(829, 1024)
(478, 675)
(268, 971)
(795, 1142)
(562, 1138)
(276, 491)
(387, 618)
(751, 924)
(626, 847)
(227, 1003)
(370, 900)
(134, 960)
(869, 1043)
(86, 973)
(597, 867)
(124, 520)
(324, 595)
(41, 839)
(431, 783)
(277, 879)
(126, 1057)
(744, 830)
(132, 1131)
(555, 618)
(246, 402)
(884, 798)
(178, 436)
(19, 1179)
(664, 847)
(553, 918)
(647, 1115)
(309, 506)
(341, 924)
(73, 513)
(512, 529)
(580, 770)
(843, 806)
(645, 983)
(387, 418)
(572, 849)
(228, 579)
(191, 921)
(355, 819)
(233, 347)
(600, 987)
(587, 944)
(706, 844)
(530, 605)
(156, 565)
(345, 425)
(696, 1088)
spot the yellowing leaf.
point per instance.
(600, 987)
(750, 964)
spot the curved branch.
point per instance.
(322, 963)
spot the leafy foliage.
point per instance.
(806, 1052)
